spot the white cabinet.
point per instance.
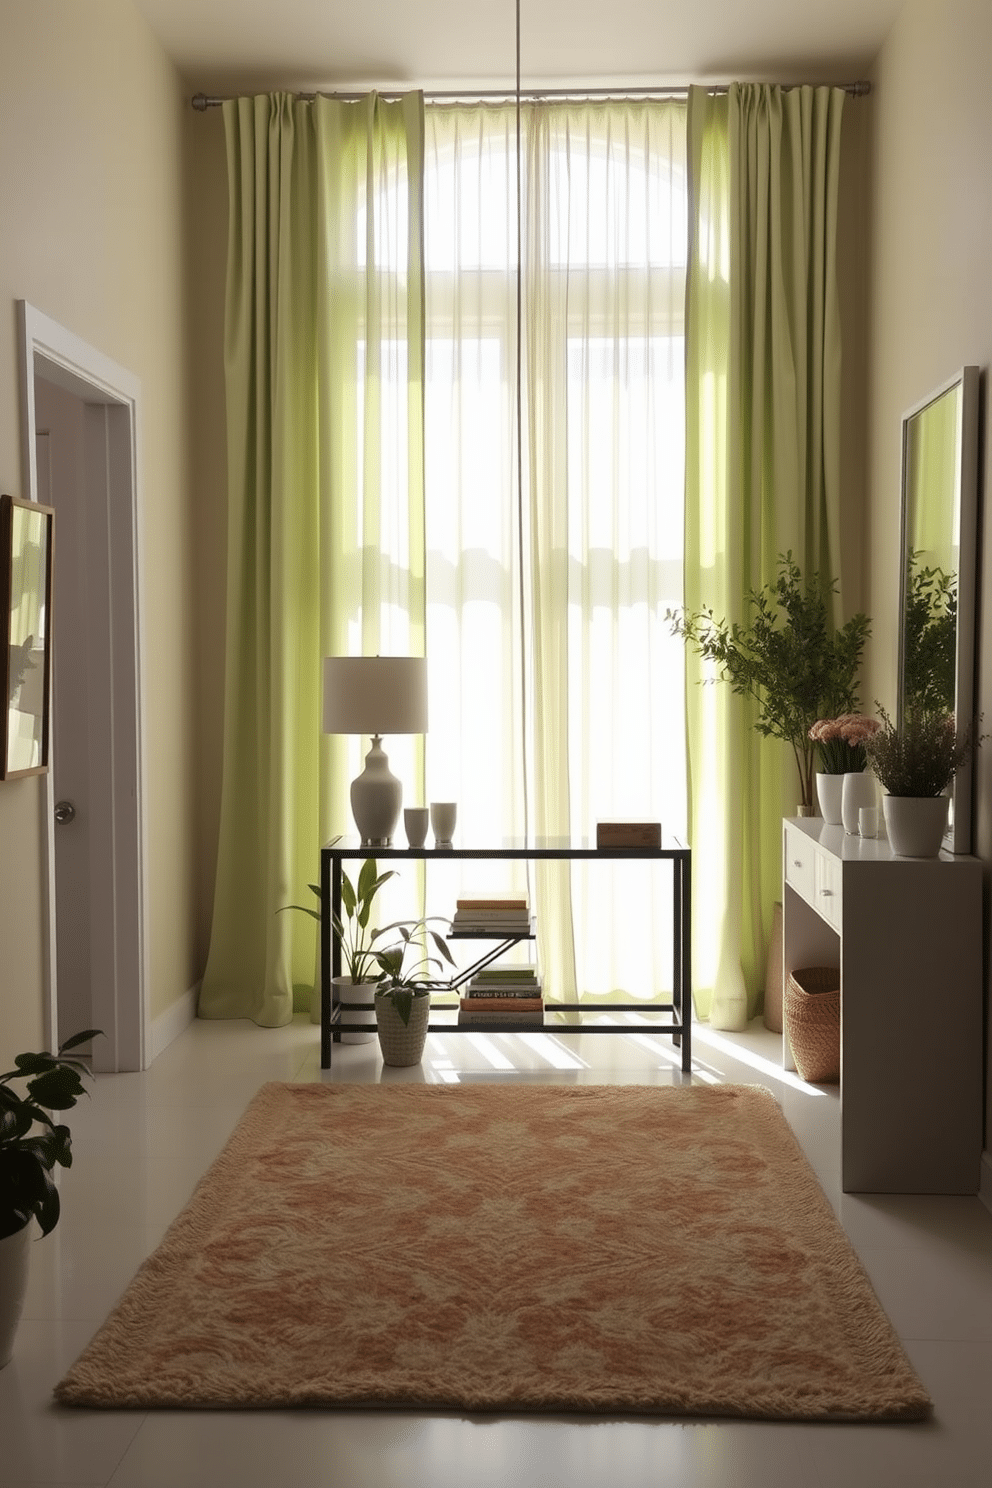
(906, 935)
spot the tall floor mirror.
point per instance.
(939, 533)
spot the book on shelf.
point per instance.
(481, 1018)
(501, 1004)
(512, 902)
(492, 916)
(516, 924)
(628, 834)
(479, 996)
(510, 984)
(484, 985)
(508, 971)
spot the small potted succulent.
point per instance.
(31, 1144)
(915, 764)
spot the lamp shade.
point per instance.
(375, 695)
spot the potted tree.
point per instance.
(915, 763)
(31, 1144)
(787, 657)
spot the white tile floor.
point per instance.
(143, 1141)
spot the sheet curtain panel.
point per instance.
(763, 366)
(546, 616)
(603, 308)
(325, 517)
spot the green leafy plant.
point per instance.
(786, 657)
(351, 927)
(923, 756)
(31, 1143)
(403, 985)
(365, 959)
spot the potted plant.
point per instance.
(787, 657)
(370, 968)
(402, 1001)
(915, 763)
(841, 786)
(31, 1144)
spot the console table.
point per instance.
(906, 935)
(334, 853)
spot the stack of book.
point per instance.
(503, 994)
(508, 916)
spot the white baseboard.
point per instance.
(985, 1181)
(170, 1024)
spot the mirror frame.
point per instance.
(957, 838)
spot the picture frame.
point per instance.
(26, 541)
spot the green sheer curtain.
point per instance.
(324, 376)
(762, 475)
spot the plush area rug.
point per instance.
(613, 1249)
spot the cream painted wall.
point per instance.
(931, 295)
(91, 119)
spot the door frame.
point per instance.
(113, 482)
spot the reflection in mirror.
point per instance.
(939, 495)
(25, 659)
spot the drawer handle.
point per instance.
(797, 862)
(826, 893)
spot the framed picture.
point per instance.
(26, 532)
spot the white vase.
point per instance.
(829, 790)
(14, 1256)
(859, 790)
(915, 824)
(356, 1001)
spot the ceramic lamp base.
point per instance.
(376, 799)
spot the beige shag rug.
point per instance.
(614, 1249)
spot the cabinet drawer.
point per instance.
(828, 880)
(800, 856)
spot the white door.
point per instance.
(81, 441)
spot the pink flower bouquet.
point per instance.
(841, 742)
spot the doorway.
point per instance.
(81, 434)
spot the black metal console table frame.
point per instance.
(338, 851)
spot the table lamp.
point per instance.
(375, 695)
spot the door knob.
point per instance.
(65, 812)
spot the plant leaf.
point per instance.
(80, 1038)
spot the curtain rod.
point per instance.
(202, 101)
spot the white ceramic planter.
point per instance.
(357, 1003)
(915, 824)
(15, 1251)
(859, 790)
(829, 790)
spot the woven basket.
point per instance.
(402, 1043)
(812, 1019)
